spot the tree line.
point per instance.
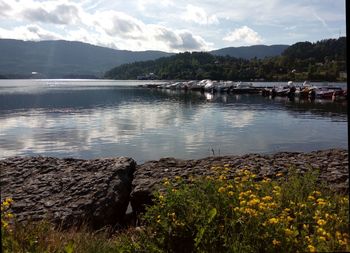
(324, 60)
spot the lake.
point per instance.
(101, 118)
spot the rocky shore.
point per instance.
(97, 192)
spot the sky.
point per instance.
(173, 26)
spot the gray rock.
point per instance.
(68, 192)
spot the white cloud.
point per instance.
(4, 8)
(160, 25)
(120, 24)
(59, 14)
(198, 15)
(150, 4)
(29, 32)
(130, 33)
(179, 40)
(243, 36)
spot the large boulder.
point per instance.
(332, 165)
(68, 192)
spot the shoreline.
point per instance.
(68, 191)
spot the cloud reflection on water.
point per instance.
(147, 124)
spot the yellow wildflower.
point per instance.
(321, 231)
(245, 179)
(277, 193)
(343, 242)
(9, 215)
(277, 188)
(316, 193)
(253, 202)
(321, 222)
(4, 224)
(222, 177)
(230, 193)
(289, 218)
(266, 180)
(221, 189)
(173, 216)
(273, 220)
(262, 206)
(321, 202)
(242, 203)
(311, 248)
(338, 234)
(257, 186)
(312, 198)
(276, 242)
(272, 205)
(267, 198)
(322, 238)
(250, 211)
(344, 200)
(246, 172)
(288, 232)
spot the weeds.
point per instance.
(293, 213)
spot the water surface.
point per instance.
(92, 118)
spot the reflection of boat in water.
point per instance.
(242, 87)
(328, 92)
(340, 96)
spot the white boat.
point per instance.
(242, 87)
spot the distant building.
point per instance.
(150, 76)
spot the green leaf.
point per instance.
(212, 214)
(69, 248)
(201, 231)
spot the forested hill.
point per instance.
(249, 52)
(60, 59)
(321, 61)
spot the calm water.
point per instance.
(89, 119)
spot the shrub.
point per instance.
(293, 213)
(217, 214)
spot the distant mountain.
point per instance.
(72, 59)
(249, 52)
(60, 59)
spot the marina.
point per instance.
(289, 89)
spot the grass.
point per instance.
(292, 213)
